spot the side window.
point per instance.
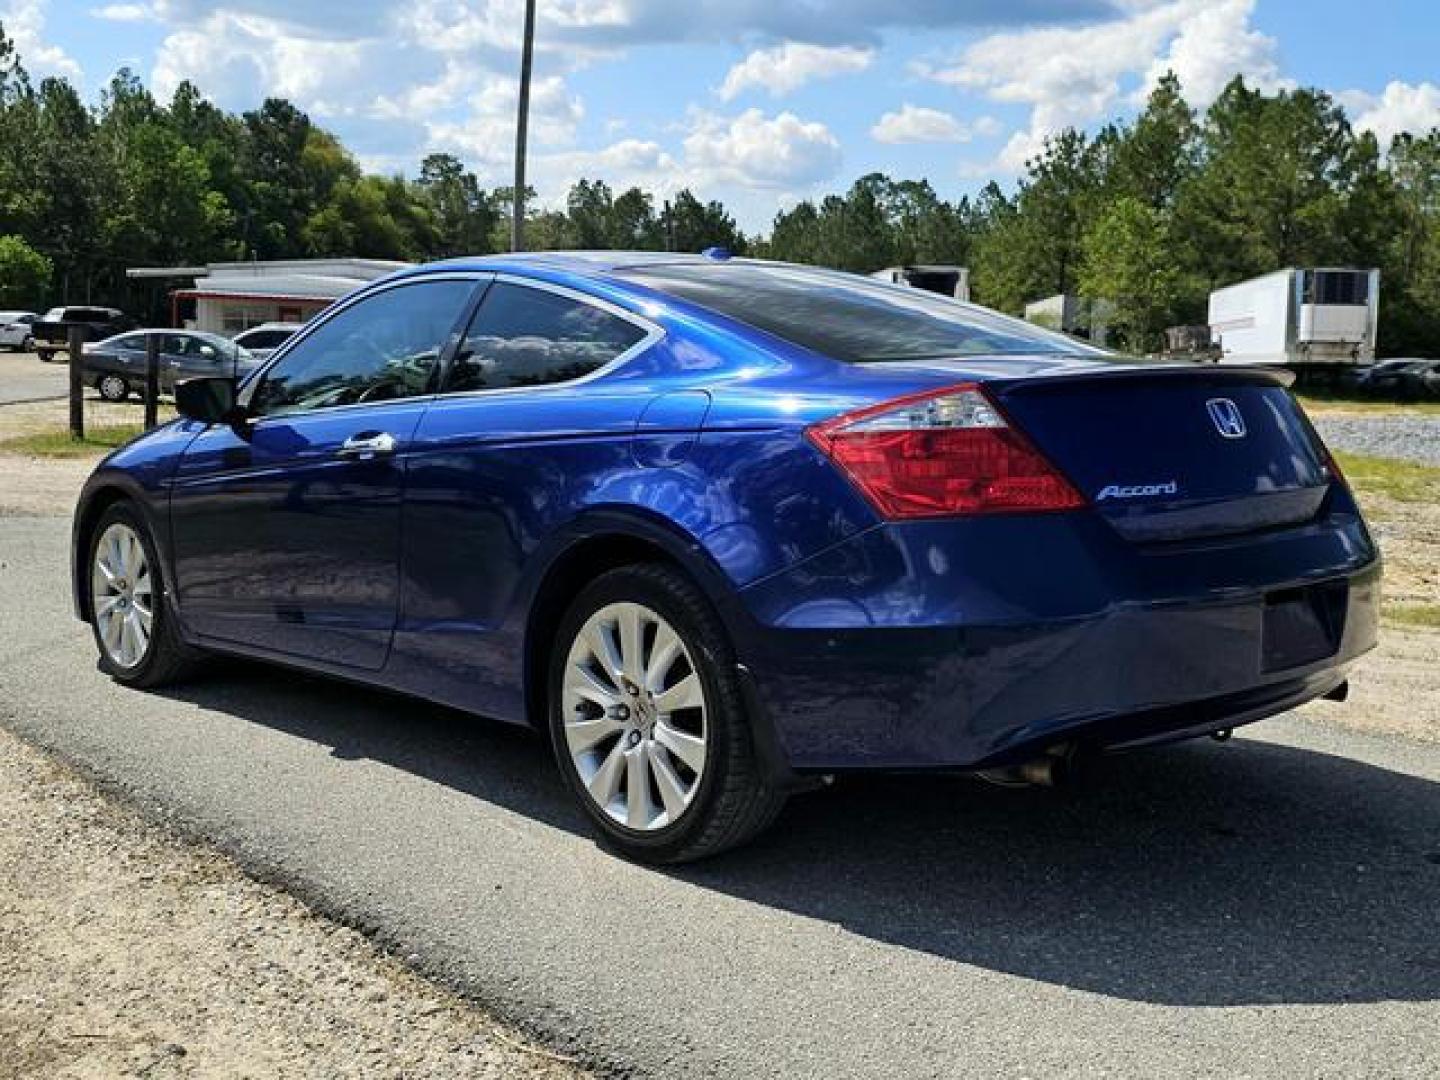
(529, 337)
(130, 343)
(382, 348)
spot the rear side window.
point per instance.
(853, 319)
(522, 336)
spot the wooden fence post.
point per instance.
(77, 382)
(152, 379)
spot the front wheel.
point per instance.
(113, 387)
(648, 721)
(134, 629)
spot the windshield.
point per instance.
(854, 319)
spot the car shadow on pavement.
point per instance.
(1202, 874)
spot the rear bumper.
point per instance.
(898, 651)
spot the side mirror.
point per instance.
(210, 400)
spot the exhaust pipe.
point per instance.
(1054, 769)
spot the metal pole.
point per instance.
(152, 380)
(77, 381)
(522, 121)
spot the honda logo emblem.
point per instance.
(1225, 414)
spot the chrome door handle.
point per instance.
(368, 445)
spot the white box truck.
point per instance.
(945, 280)
(1300, 317)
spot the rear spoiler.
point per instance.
(1231, 374)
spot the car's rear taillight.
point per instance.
(942, 454)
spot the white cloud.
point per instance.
(242, 57)
(791, 65)
(1401, 107)
(485, 136)
(24, 22)
(1072, 76)
(918, 124)
(753, 150)
(124, 13)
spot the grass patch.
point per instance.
(59, 444)
(1426, 616)
(1403, 481)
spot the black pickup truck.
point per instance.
(52, 333)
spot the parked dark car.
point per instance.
(1407, 379)
(722, 527)
(52, 333)
(116, 366)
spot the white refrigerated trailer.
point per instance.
(945, 280)
(1300, 317)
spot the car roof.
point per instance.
(581, 261)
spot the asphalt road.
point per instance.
(1267, 907)
(24, 378)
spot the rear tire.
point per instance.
(661, 785)
(129, 613)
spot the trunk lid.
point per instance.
(1170, 453)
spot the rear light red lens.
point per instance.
(942, 455)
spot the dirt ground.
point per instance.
(124, 952)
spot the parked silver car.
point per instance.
(116, 366)
(15, 332)
(264, 339)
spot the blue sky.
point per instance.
(756, 102)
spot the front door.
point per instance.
(286, 529)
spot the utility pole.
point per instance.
(522, 120)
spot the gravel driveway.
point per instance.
(1408, 436)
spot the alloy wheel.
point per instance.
(635, 718)
(113, 388)
(122, 596)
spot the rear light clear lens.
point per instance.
(941, 455)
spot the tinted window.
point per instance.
(132, 342)
(85, 314)
(263, 339)
(850, 318)
(381, 348)
(530, 337)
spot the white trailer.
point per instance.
(1299, 317)
(945, 280)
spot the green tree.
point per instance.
(465, 218)
(1128, 262)
(1032, 248)
(24, 273)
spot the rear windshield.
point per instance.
(854, 319)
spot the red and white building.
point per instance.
(226, 298)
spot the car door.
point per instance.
(501, 454)
(185, 356)
(286, 527)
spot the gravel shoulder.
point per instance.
(1405, 436)
(125, 952)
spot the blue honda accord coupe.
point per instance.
(721, 528)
